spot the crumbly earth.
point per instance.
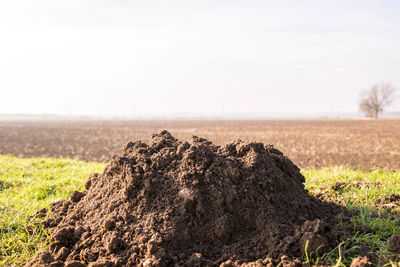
(361, 262)
(174, 203)
(394, 243)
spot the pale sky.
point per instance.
(130, 58)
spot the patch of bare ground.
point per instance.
(360, 143)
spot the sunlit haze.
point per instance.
(134, 58)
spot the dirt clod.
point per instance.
(338, 186)
(41, 213)
(394, 243)
(62, 254)
(361, 262)
(198, 204)
(109, 224)
(364, 229)
(77, 196)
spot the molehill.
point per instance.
(174, 203)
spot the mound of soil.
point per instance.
(190, 204)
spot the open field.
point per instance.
(308, 143)
(344, 162)
(42, 181)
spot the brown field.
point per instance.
(360, 143)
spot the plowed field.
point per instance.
(308, 143)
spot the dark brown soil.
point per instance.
(190, 204)
(390, 203)
(394, 243)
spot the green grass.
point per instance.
(27, 185)
(365, 192)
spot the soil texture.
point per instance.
(315, 143)
(175, 203)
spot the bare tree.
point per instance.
(374, 100)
